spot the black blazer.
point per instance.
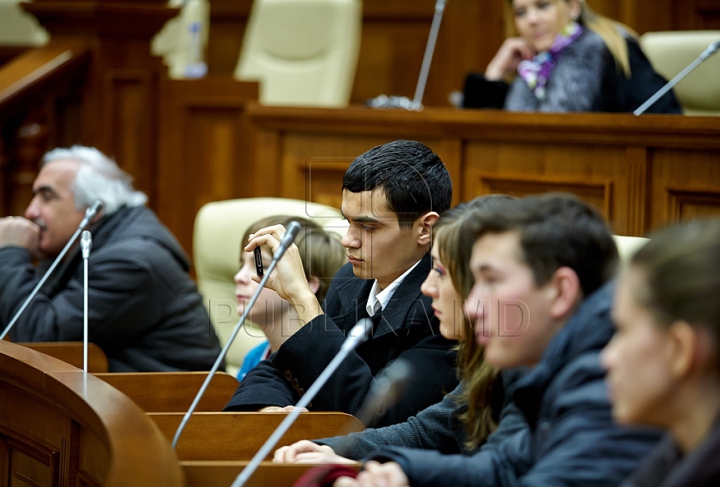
(407, 328)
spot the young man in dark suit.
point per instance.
(392, 196)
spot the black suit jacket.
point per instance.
(406, 328)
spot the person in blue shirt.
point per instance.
(322, 256)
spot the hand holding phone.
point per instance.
(258, 262)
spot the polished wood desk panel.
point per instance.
(222, 474)
(238, 436)
(72, 353)
(641, 172)
(173, 391)
(62, 427)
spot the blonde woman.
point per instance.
(567, 58)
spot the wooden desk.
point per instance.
(72, 353)
(62, 427)
(223, 474)
(173, 391)
(238, 436)
(641, 172)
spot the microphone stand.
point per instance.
(711, 49)
(384, 101)
(89, 215)
(85, 246)
(287, 239)
(359, 333)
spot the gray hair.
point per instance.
(99, 178)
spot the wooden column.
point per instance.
(120, 97)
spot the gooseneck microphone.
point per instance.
(85, 246)
(285, 242)
(385, 390)
(359, 334)
(90, 213)
(384, 101)
(711, 49)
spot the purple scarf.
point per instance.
(536, 72)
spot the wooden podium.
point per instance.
(61, 427)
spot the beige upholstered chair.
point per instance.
(303, 52)
(671, 52)
(219, 226)
(19, 28)
(627, 246)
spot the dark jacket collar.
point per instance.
(393, 317)
(589, 329)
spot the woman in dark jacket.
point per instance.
(663, 360)
(567, 59)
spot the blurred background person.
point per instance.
(567, 58)
(322, 256)
(145, 312)
(663, 360)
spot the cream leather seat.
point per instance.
(219, 226)
(627, 246)
(671, 52)
(303, 52)
(19, 28)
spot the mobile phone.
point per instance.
(258, 262)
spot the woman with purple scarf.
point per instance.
(567, 58)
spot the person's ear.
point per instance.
(314, 284)
(689, 350)
(565, 293)
(424, 225)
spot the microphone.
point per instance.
(287, 239)
(709, 51)
(358, 334)
(385, 390)
(85, 246)
(90, 213)
(285, 242)
(384, 101)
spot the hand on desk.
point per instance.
(288, 279)
(306, 451)
(376, 475)
(278, 409)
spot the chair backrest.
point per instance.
(627, 246)
(303, 52)
(671, 52)
(219, 226)
(19, 28)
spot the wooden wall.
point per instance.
(395, 33)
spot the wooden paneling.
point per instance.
(204, 149)
(173, 391)
(239, 436)
(72, 353)
(640, 172)
(684, 189)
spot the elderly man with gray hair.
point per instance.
(144, 310)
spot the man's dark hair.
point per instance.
(413, 178)
(556, 230)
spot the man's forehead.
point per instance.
(367, 205)
(57, 174)
(494, 248)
